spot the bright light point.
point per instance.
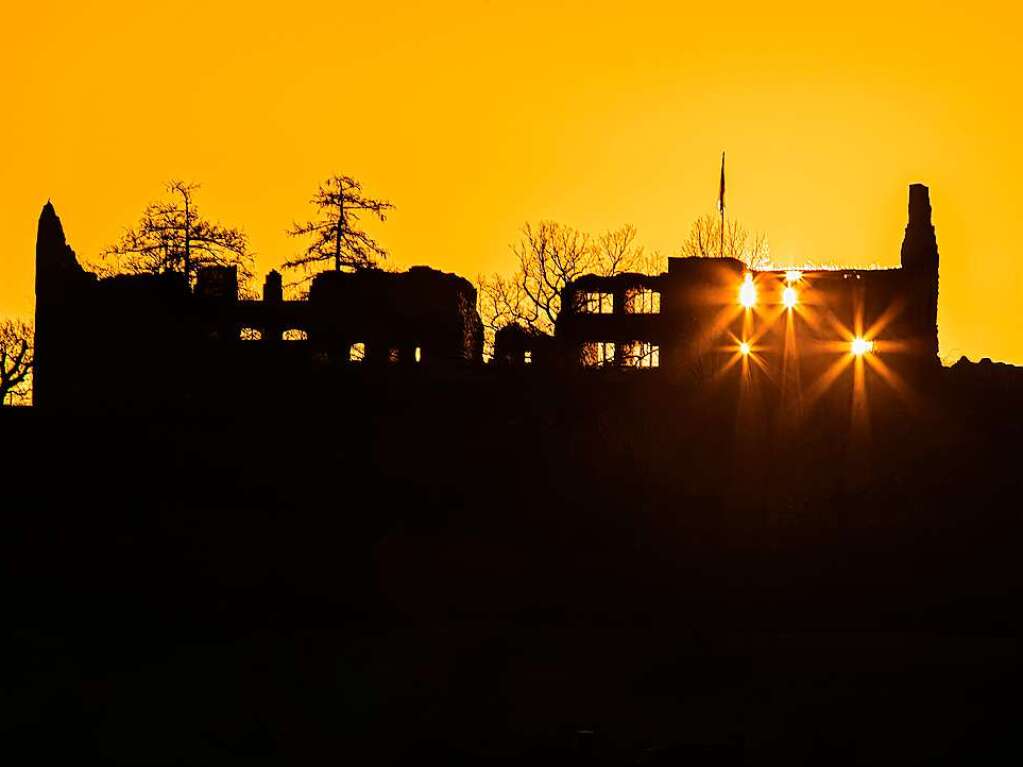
(789, 297)
(793, 275)
(744, 348)
(861, 346)
(748, 292)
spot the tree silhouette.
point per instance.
(550, 255)
(173, 236)
(16, 360)
(334, 234)
(705, 241)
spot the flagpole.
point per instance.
(721, 207)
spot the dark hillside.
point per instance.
(490, 567)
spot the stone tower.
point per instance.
(920, 261)
(59, 282)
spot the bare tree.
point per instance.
(618, 251)
(16, 361)
(705, 241)
(550, 255)
(173, 236)
(334, 235)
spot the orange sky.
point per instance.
(473, 117)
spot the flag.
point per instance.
(721, 190)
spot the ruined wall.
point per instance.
(516, 346)
(420, 309)
(920, 259)
(149, 340)
(701, 322)
(60, 283)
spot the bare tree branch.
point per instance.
(17, 359)
(550, 255)
(173, 236)
(705, 241)
(334, 235)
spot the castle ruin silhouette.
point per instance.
(153, 339)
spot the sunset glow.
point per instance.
(861, 346)
(748, 292)
(511, 381)
(475, 118)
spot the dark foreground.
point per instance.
(519, 572)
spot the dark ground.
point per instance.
(518, 570)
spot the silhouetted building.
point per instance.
(519, 346)
(704, 312)
(152, 339)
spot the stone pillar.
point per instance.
(920, 260)
(60, 283)
(273, 290)
(919, 247)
